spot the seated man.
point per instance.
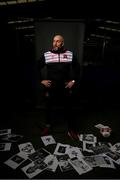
(62, 77)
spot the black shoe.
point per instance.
(46, 130)
(73, 135)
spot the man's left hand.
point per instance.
(69, 84)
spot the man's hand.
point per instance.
(46, 83)
(70, 84)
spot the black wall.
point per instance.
(100, 82)
(72, 31)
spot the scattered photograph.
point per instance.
(26, 148)
(80, 165)
(105, 143)
(91, 160)
(15, 161)
(107, 162)
(99, 161)
(12, 137)
(114, 156)
(5, 146)
(87, 146)
(39, 154)
(99, 126)
(63, 163)
(61, 149)
(52, 162)
(34, 168)
(47, 140)
(5, 132)
(99, 149)
(116, 148)
(88, 138)
(74, 152)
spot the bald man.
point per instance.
(58, 42)
(59, 81)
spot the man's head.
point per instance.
(58, 42)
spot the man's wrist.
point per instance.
(73, 81)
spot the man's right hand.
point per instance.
(46, 83)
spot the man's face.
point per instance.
(57, 42)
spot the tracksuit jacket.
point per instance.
(60, 66)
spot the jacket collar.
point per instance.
(61, 50)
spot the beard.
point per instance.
(56, 48)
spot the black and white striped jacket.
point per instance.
(60, 65)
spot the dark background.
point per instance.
(98, 52)
(72, 30)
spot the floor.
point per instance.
(28, 121)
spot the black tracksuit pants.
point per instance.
(60, 106)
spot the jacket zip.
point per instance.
(59, 58)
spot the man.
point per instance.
(61, 78)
